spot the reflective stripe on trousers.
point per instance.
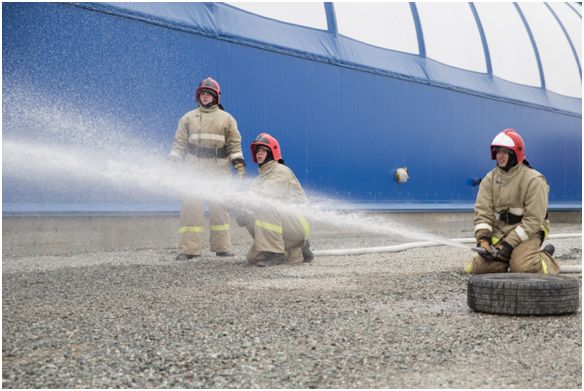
(544, 267)
(182, 230)
(305, 225)
(269, 226)
(278, 229)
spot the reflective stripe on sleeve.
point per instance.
(223, 227)
(521, 233)
(269, 226)
(237, 155)
(182, 230)
(483, 226)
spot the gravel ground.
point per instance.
(139, 319)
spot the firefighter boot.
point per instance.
(185, 257)
(549, 249)
(271, 259)
(306, 252)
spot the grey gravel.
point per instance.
(140, 319)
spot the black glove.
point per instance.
(485, 242)
(239, 166)
(504, 253)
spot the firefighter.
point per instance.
(279, 236)
(207, 137)
(511, 221)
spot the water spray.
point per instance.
(89, 149)
(158, 176)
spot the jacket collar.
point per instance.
(511, 173)
(269, 166)
(208, 109)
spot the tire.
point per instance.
(523, 294)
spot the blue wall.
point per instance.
(343, 131)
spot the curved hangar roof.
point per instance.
(525, 52)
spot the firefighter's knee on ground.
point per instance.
(532, 267)
(468, 267)
(540, 263)
(294, 255)
(480, 265)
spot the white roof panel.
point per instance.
(572, 23)
(387, 25)
(451, 35)
(559, 65)
(304, 14)
(510, 48)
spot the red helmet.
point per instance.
(267, 141)
(209, 84)
(509, 138)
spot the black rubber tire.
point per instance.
(523, 294)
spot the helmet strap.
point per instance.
(269, 158)
(512, 162)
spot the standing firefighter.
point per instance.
(511, 214)
(207, 137)
(279, 236)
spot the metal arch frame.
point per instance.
(533, 44)
(331, 18)
(483, 39)
(335, 55)
(332, 28)
(419, 31)
(574, 52)
(574, 9)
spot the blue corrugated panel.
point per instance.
(343, 129)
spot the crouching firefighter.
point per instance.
(206, 138)
(279, 236)
(511, 221)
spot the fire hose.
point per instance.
(407, 246)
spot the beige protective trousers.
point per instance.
(192, 221)
(525, 258)
(277, 232)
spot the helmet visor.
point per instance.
(262, 139)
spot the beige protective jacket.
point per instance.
(521, 191)
(278, 181)
(207, 128)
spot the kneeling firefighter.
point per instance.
(511, 220)
(279, 236)
(207, 137)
